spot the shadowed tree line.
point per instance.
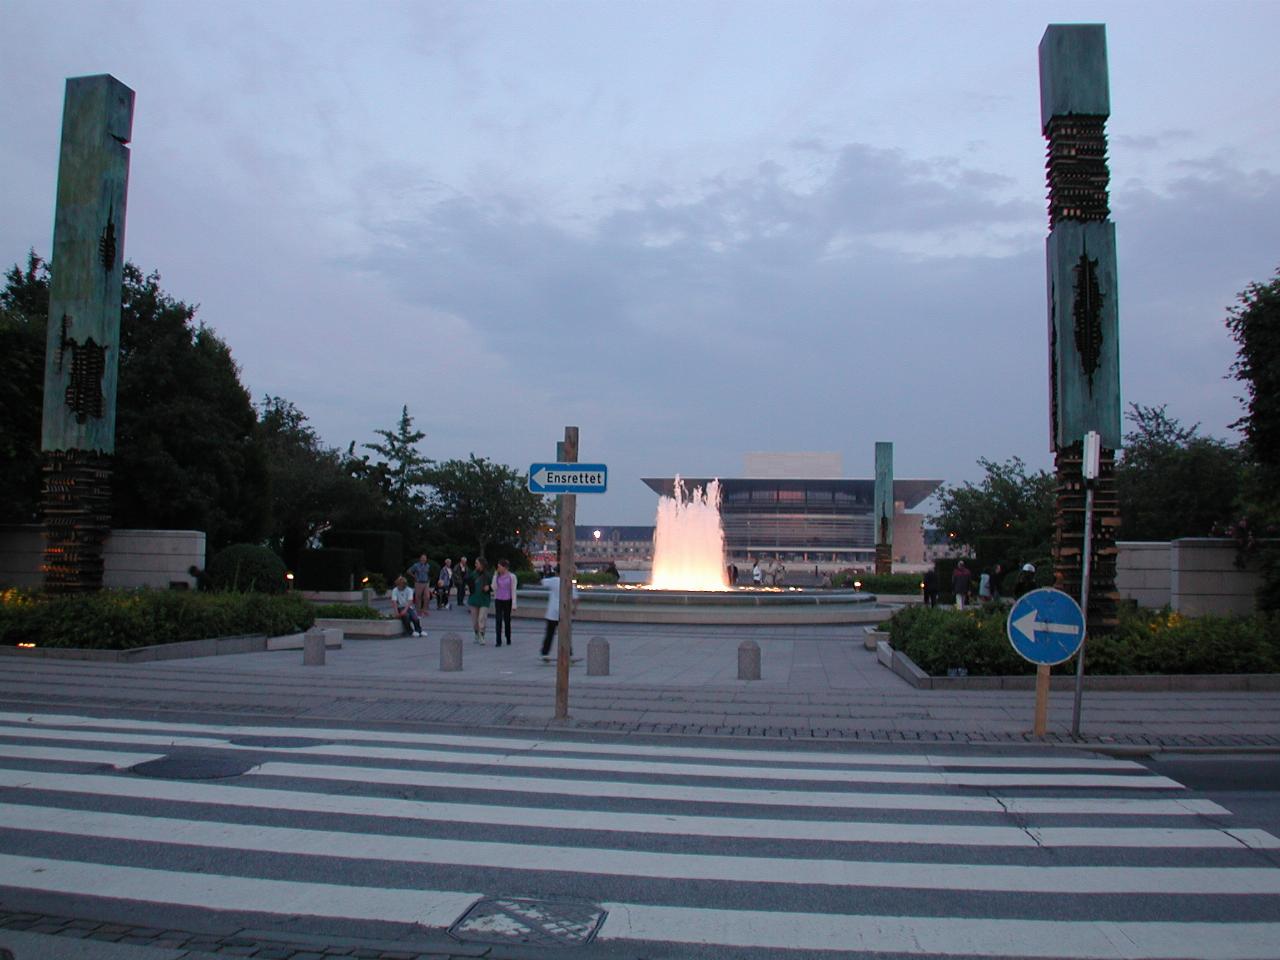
(194, 452)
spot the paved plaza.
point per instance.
(818, 682)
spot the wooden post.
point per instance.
(568, 453)
(1042, 700)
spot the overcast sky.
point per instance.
(691, 229)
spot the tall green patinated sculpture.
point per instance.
(883, 512)
(83, 352)
(1084, 357)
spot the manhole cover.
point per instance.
(547, 923)
(195, 766)
(279, 742)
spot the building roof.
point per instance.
(910, 492)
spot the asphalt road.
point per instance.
(285, 841)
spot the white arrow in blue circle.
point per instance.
(1046, 626)
(1029, 625)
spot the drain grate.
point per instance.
(545, 923)
(195, 766)
(272, 742)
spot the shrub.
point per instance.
(346, 611)
(908, 583)
(122, 619)
(1145, 642)
(246, 567)
(594, 578)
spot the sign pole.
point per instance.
(1089, 470)
(568, 453)
(1042, 701)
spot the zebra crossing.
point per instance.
(698, 850)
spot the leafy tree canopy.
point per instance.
(1254, 323)
(186, 456)
(480, 502)
(24, 309)
(1171, 481)
(1011, 508)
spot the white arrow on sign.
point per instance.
(1028, 625)
(540, 478)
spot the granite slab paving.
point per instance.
(817, 681)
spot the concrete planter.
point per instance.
(873, 637)
(363, 629)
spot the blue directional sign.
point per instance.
(568, 477)
(1046, 626)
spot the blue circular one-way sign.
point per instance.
(1046, 626)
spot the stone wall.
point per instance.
(131, 558)
(1193, 575)
(1142, 572)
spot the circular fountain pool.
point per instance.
(740, 605)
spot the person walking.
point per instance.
(757, 575)
(444, 583)
(460, 574)
(402, 607)
(505, 587)
(929, 584)
(481, 591)
(421, 573)
(997, 573)
(961, 578)
(552, 616)
(984, 587)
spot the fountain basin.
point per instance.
(742, 605)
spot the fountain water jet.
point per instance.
(688, 541)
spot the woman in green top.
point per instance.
(480, 587)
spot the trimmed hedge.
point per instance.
(245, 566)
(1145, 642)
(330, 568)
(123, 619)
(898, 583)
(381, 550)
(345, 611)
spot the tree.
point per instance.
(484, 503)
(311, 487)
(24, 310)
(1254, 323)
(1010, 508)
(1171, 482)
(187, 454)
(401, 477)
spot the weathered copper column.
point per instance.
(884, 507)
(83, 352)
(1084, 357)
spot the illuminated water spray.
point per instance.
(688, 541)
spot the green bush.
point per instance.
(246, 567)
(1145, 642)
(122, 619)
(345, 611)
(595, 578)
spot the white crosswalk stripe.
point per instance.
(847, 852)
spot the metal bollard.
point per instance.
(313, 648)
(598, 657)
(748, 660)
(451, 653)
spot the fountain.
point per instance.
(688, 541)
(689, 583)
